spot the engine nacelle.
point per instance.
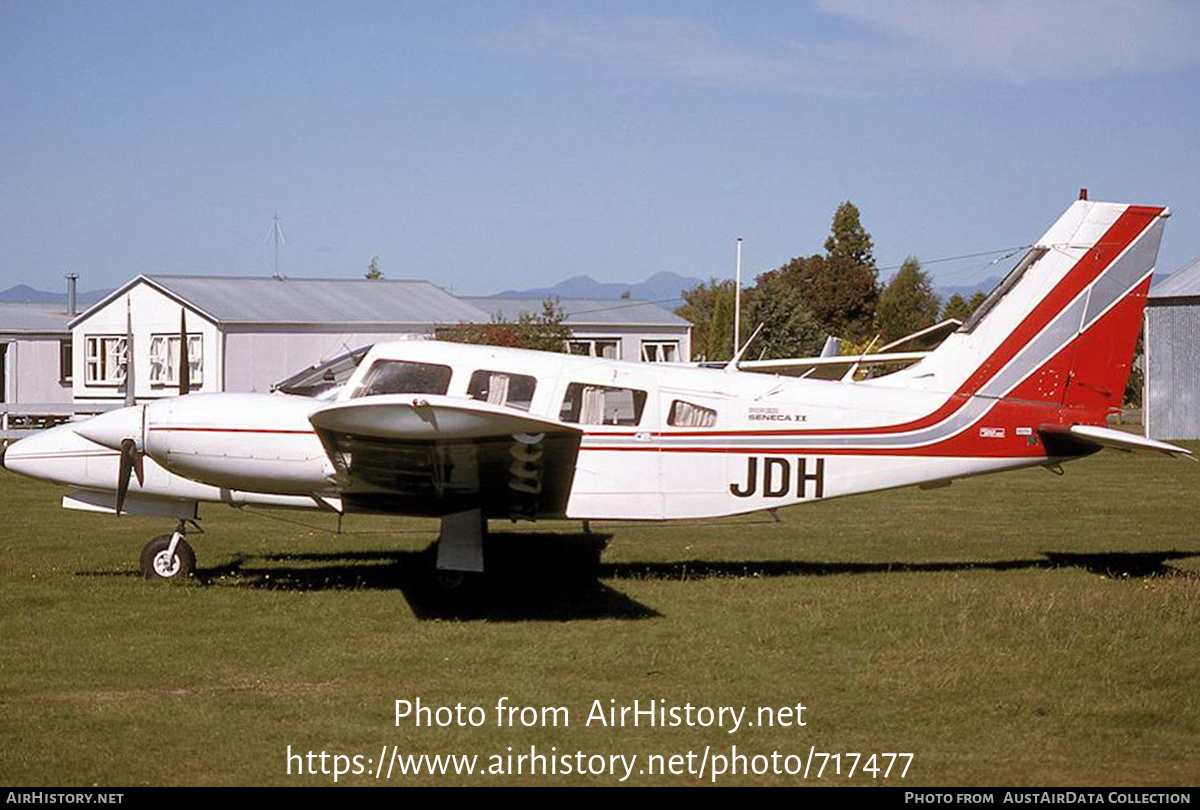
(259, 442)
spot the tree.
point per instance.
(957, 307)
(788, 328)
(798, 303)
(848, 239)
(840, 295)
(908, 303)
(544, 331)
(709, 308)
(373, 272)
(839, 289)
(961, 308)
(1136, 381)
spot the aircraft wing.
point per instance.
(1116, 439)
(827, 368)
(437, 455)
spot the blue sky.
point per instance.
(487, 145)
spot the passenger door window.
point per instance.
(601, 405)
(502, 388)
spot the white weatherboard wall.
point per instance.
(32, 372)
(154, 313)
(262, 356)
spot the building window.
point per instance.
(608, 349)
(502, 388)
(164, 360)
(104, 359)
(601, 405)
(66, 360)
(660, 351)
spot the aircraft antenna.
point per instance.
(737, 358)
(849, 375)
(737, 300)
(276, 235)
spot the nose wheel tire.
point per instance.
(159, 564)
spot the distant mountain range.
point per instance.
(967, 290)
(668, 288)
(24, 294)
(664, 287)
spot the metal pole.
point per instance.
(737, 301)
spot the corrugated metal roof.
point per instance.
(41, 318)
(585, 311)
(1183, 283)
(233, 299)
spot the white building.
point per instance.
(1171, 401)
(247, 334)
(35, 354)
(620, 329)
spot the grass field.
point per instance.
(1021, 629)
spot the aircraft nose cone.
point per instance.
(110, 429)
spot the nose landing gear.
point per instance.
(169, 557)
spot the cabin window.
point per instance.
(608, 349)
(502, 388)
(686, 414)
(164, 360)
(601, 405)
(404, 377)
(104, 359)
(660, 351)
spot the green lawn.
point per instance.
(1022, 629)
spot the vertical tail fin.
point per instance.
(1061, 328)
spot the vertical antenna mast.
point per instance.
(737, 301)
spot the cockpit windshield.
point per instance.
(323, 380)
(404, 377)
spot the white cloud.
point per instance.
(1029, 40)
(893, 44)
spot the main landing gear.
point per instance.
(169, 557)
(460, 548)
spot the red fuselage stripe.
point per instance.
(233, 430)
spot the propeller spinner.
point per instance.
(119, 430)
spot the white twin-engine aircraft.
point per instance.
(471, 433)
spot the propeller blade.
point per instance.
(185, 368)
(129, 459)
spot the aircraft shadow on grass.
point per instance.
(1115, 564)
(531, 577)
(559, 576)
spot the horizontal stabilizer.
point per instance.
(827, 368)
(1116, 439)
